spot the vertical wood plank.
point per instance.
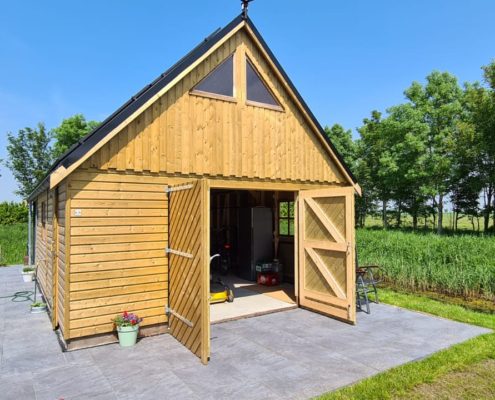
(68, 217)
(129, 151)
(138, 144)
(146, 138)
(55, 265)
(155, 138)
(121, 161)
(163, 131)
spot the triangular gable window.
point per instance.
(257, 91)
(220, 81)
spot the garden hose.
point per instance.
(18, 297)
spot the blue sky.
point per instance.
(59, 58)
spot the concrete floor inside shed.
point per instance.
(251, 299)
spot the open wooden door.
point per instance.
(188, 250)
(326, 252)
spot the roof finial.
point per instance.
(245, 4)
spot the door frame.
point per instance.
(295, 188)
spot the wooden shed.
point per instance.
(125, 219)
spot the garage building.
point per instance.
(219, 150)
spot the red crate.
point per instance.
(268, 278)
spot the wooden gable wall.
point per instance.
(116, 202)
(192, 135)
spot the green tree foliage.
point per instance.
(480, 108)
(438, 145)
(29, 157)
(377, 167)
(13, 213)
(440, 104)
(69, 132)
(30, 152)
(405, 158)
(342, 140)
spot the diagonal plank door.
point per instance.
(188, 311)
(326, 252)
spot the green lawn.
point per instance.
(13, 242)
(447, 374)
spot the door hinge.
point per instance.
(168, 250)
(170, 189)
(170, 312)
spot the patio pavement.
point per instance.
(292, 354)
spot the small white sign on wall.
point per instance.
(77, 212)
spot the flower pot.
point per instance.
(27, 276)
(127, 335)
(38, 309)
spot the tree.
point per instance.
(439, 101)
(342, 140)
(13, 213)
(480, 105)
(29, 157)
(405, 135)
(376, 166)
(69, 132)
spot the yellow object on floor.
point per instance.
(220, 293)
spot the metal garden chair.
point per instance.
(366, 283)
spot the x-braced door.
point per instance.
(188, 310)
(326, 252)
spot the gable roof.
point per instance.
(80, 149)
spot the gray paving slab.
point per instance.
(294, 354)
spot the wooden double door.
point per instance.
(325, 262)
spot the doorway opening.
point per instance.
(252, 234)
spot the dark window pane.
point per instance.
(291, 209)
(291, 227)
(283, 212)
(283, 228)
(256, 88)
(220, 80)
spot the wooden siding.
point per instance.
(44, 245)
(118, 235)
(61, 251)
(181, 133)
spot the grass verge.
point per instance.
(402, 381)
(13, 241)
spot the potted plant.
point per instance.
(27, 274)
(38, 307)
(127, 328)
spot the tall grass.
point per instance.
(462, 265)
(13, 241)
